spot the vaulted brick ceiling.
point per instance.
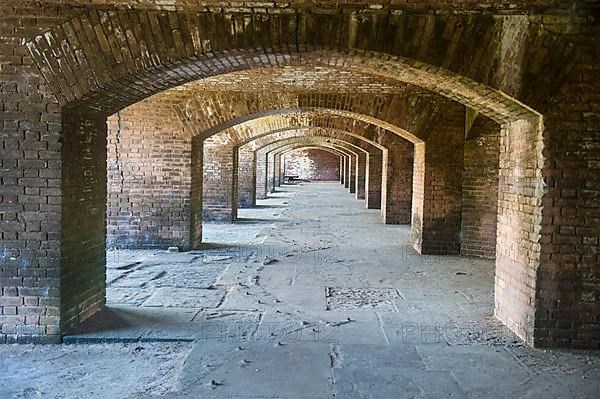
(357, 69)
(144, 52)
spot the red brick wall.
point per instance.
(546, 277)
(480, 189)
(568, 287)
(438, 185)
(82, 278)
(261, 174)
(313, 164)
(373, 180)
(219, 198)
(246, 169)
(396, 189)
(149, 178)
(30, 188)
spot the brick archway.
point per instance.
(323, 163)
(119, 52)
(363, 146)
(350, 153)
(219, 149)
(344, 154)
(116, 79)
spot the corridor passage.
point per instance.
(307, 295)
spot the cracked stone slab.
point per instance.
(477, 368)
(551, 386)
(350, 327)
(319, 273)
(123, 258)
(185, 298)
(246, 297)
(394, 383)
(235, 273)
(321, 327)
(277, 274)
(127, 296)
(170, 324)
(216, 258)
(307, 298)
(375, 356)
(137, 278)
(362, 298)
(228, 326)
(255, 370)
(198, 277)
(285, 327)
(413, 325)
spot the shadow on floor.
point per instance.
(112, 325)
(255, 221)
(213, 245)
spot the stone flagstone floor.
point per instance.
(308, 296)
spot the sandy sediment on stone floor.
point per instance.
(90, 371)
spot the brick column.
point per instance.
(418, 196)
(276, 170)
(361, 175)
(436, 214)
(567, 294)
(353, 167)
(246, 176)
(196, 193)
(281, 170)
(270, 172)
(347, 169)
(480, 189)
(373, 180)
(219, 199)
(396, 185)
(148, 179)
(342, 169)
(83, 240)
(261, 174)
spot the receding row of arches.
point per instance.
(418, 180)
(454, 149)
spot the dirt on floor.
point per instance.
(306, 296)
(116, 370)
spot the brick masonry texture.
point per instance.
(312, 164)
(323, 137)
(411, 69)
(149, 178)
(246, 182)
(480, 189)
(568, 278)
(442, 184)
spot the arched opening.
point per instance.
(83, 131)
(157, 124)
(314, 163)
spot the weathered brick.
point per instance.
(57, 95)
